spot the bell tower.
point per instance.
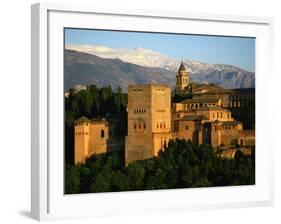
(182, 79)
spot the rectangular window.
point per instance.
(186, 127)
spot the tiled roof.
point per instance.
(212, 107)
(191, 118)
(83, 119)
(201, 100)
(230, 123)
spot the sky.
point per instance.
(237, 51)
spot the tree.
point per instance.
(136, 173)
(85, 102)
(72, 180)
(100, 184)
(181, 165)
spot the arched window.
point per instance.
(102, 133)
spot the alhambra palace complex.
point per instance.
(153, 120)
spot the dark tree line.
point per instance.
(93, 102)
(181, 165)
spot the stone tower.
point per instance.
(149, 120)
(182, 79)
(81, 132)
(91, 137)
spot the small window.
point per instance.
(135, 126)
(102, 133)
(139, 126)
(186, 127)
(160, 125)
(221, 114)
(144, 126)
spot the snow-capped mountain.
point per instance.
(227, 76)
(138, 56)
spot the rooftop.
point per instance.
(230, 123)
(85, 119)
(198, 100)
(182, 67)
(212, 107)
(192, 118)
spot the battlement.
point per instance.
(246, 133)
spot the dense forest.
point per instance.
(93, 102)
(181, 165)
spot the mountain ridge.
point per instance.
(86, 68)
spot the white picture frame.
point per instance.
(48, 201)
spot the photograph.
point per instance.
(151, 111)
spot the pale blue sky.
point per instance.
(237, 51)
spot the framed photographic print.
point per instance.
(148, 111)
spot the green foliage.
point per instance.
(181, 165)
(94, 102)
(72, 180)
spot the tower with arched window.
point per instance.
(182, 79)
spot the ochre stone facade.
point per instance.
(93, 137)
(149, 114)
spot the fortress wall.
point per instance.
(138, 144)
(99, 134)
(149, 112)
(247, 137)
(160, 141)
(81, 145)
